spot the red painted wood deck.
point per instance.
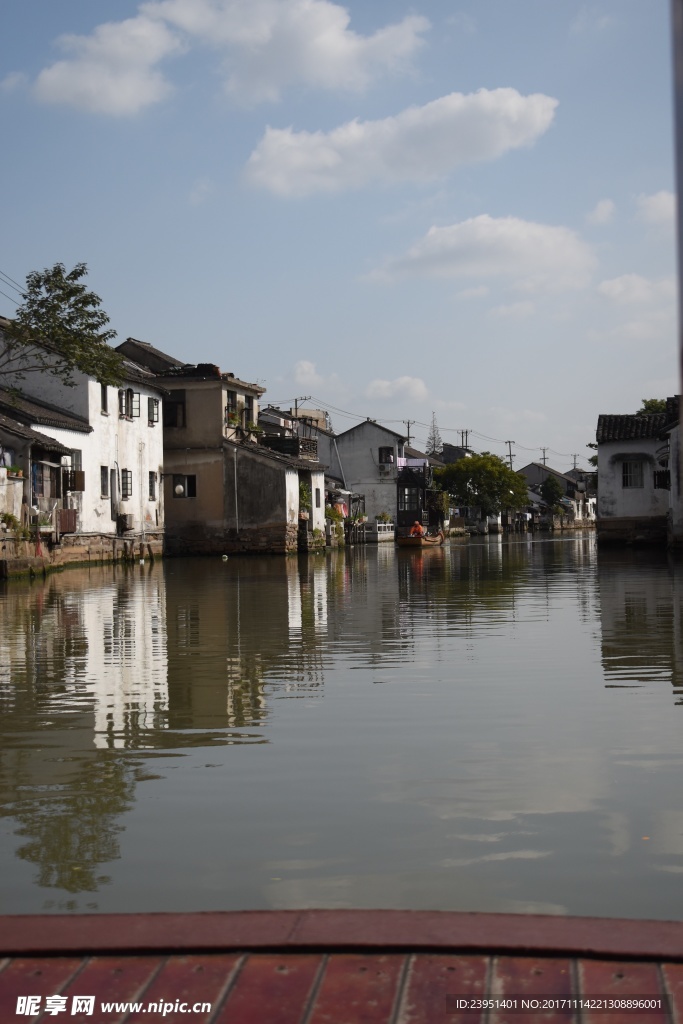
(339, 967)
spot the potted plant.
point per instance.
(15, 471)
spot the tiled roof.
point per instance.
(26, 409)
(630, 427)
(12, 426)
(147, 355)
(288, 461)
(373, 423)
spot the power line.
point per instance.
(12, 283)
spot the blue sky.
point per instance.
(455, 207)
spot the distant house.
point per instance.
(578, 500)
(224, 491)
(20, 449)
(634, 475)
(372, 457)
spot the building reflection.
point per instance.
(641, 618)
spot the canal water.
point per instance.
(493, 726)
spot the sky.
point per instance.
(448, 207)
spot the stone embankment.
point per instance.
(31, 558)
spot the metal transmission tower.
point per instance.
(434, 442)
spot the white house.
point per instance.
(634, 476)
(112, 477)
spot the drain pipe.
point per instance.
(237, 518)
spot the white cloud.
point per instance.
(590, 19)
(478, 292)
(113, 70)
(270, 45)
(533, 255)
(413, 388)
(465, 23)
(266, 45)
(603, 212)
(516, 310)
(12, 81)
(419, 144)
(632, 288)
(657, 209)
(200, 191)
(306, 376)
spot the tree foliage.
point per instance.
(551, 491)
(60, 329)
(484, 481)
(651, 405)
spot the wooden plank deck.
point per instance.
(340, 967)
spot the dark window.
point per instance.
(408, 499)
(152, 410)
(248, 410)
(232, 401)
(122, 403)
(184, 486)
(174, 409)
(104, 398)
(152, 486)
(135, 403)
(317, 497)
(104, 481)
(386, 455)
(662, 480)
(632, 473)
(126, 483)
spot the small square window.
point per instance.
(184, 486)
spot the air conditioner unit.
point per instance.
(125, 521)
(384, 469)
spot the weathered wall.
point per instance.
(27, 557)
(359, 452)
(11, 491)
(614, 500)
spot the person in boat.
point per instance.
(417, 529)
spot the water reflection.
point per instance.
(479, 726)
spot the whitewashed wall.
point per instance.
(614, 500)
(115, 443)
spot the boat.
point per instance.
(421, 542)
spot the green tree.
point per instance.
(484, 481)
(551, 491)
(651, 405)
(60, 329)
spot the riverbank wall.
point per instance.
(32, 557)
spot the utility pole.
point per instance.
(407, 423)
(510, 455)
(575, 457)
(544, 450)
(301, 398)
(464, 436)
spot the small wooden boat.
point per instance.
(421, 542)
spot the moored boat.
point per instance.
(421, 542)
